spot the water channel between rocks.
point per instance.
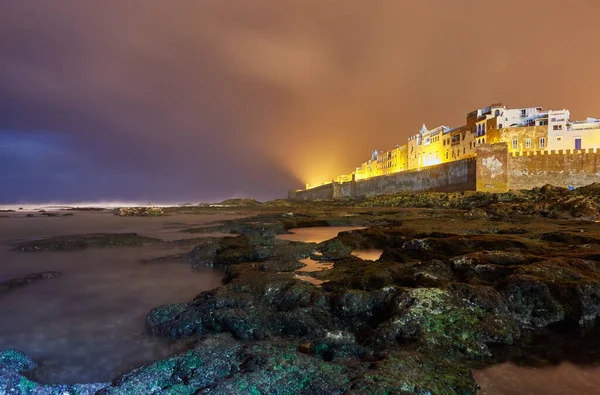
(318, 235)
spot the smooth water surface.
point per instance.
(561, 361)
(317, 234)
(564, 379)
(368, 255)
(312, 266)
(88, 325)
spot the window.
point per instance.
(557, 127)
(446, 154)
(523, 112)
(527, 143)
(558, 138)
(497, 113)
(542, 142)
(464, 150)
(499, 126)
(515, 144)
(483, 129)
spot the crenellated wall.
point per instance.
(561, 168)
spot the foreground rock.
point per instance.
(9, 285)
(220, 365)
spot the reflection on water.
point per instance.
(564, 379)
(561, 361)
(314, 266)
(309, 279)
(368, 255)
(317, 234)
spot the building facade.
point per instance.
(529, 130)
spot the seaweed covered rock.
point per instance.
(222, 366)
(13, 363)
(436, 319)
(410, 372)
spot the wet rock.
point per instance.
(437, 320)
(334, 249)
(13, 363)
(530, 301)
(15, 360)
(353, 303)
(337, 346)
(221, 365)
(9, 285)
(477, 213)
(588, 295)
(81, 242)
(568, 238)
(204, 255)
(139, 212)
(240, 202)
(409, 372)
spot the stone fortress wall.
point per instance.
(562, 168)
(493, 169)
(498, 149)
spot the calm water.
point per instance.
(89, 324)
(558, 362)
(317, 234)
(368, 255)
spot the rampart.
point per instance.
(561, 168)
(447, 177)
(493, 169)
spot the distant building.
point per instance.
(525, 130)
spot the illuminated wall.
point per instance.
(521, 139)
(524, 130)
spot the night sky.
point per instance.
(174, 101)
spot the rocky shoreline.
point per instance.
(459, 275)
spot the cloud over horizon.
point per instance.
(211, 99)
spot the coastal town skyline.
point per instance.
(525, 130)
